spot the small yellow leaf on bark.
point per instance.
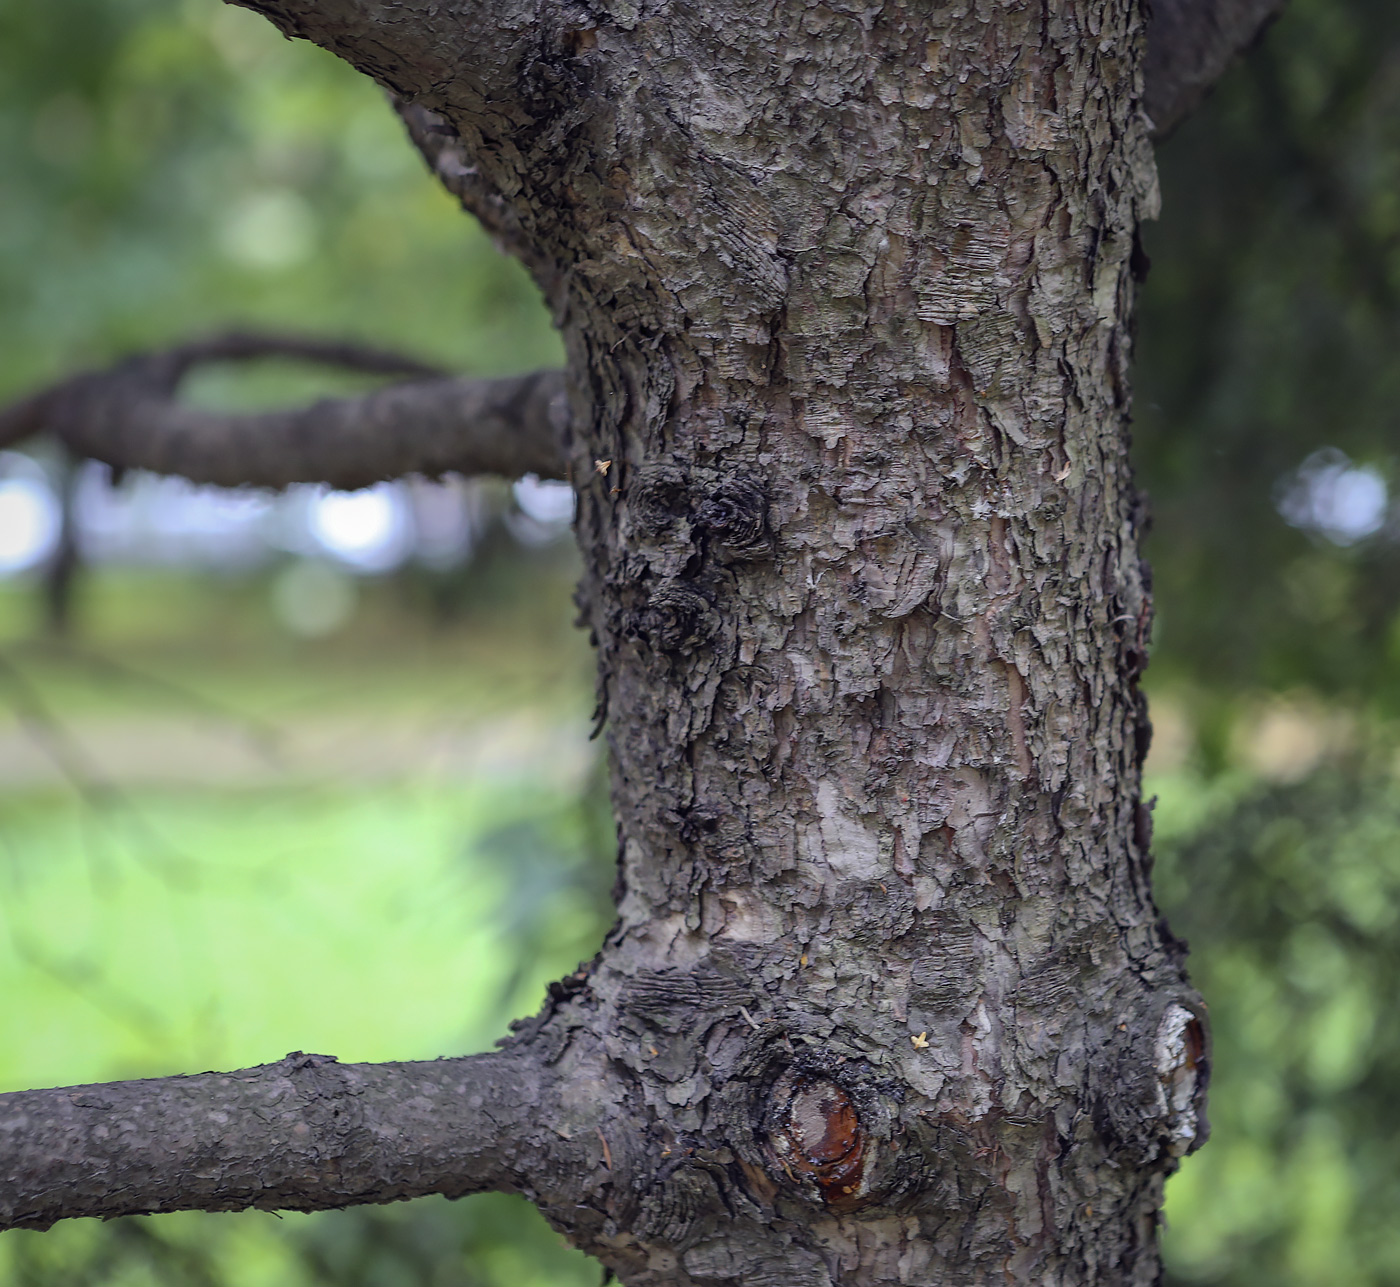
(920, 1042)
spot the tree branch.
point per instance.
(1190, 43)
(415, 47)
(128, 417)
(304, 1134)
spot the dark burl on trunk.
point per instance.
(846, 294)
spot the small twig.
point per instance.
(263, 735)
(91, 983)
(99, 793)
(607, 1152)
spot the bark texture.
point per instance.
(130, 418)
(302, 1134)
(845, 292)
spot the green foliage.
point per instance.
(1269, 329)
(1291, 896)
(172, 167)
(487, 1241)
(169, 167)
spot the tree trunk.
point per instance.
(846, 298)
(846, 301)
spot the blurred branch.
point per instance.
(49, 734)
(304, 1134)
(128, 417)
(1190, 43)
(86, 979)
(80, 772)
(259, 734)
(61, 571)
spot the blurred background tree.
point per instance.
(314, 772)
(1268, 403)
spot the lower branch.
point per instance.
(129, 417)
(304, 1134)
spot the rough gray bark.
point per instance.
(846, 296)
(130, 418)
(302, 1134)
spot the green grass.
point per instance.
(182, 930)
(155, 920)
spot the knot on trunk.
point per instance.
(1179, 1056)
(678, 617)
(667, 505)
(658, 500)
(735, 516)
(817, 1138)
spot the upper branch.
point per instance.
(304, 1134)
(129, 418)
(1190, 43)
(465, 51)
